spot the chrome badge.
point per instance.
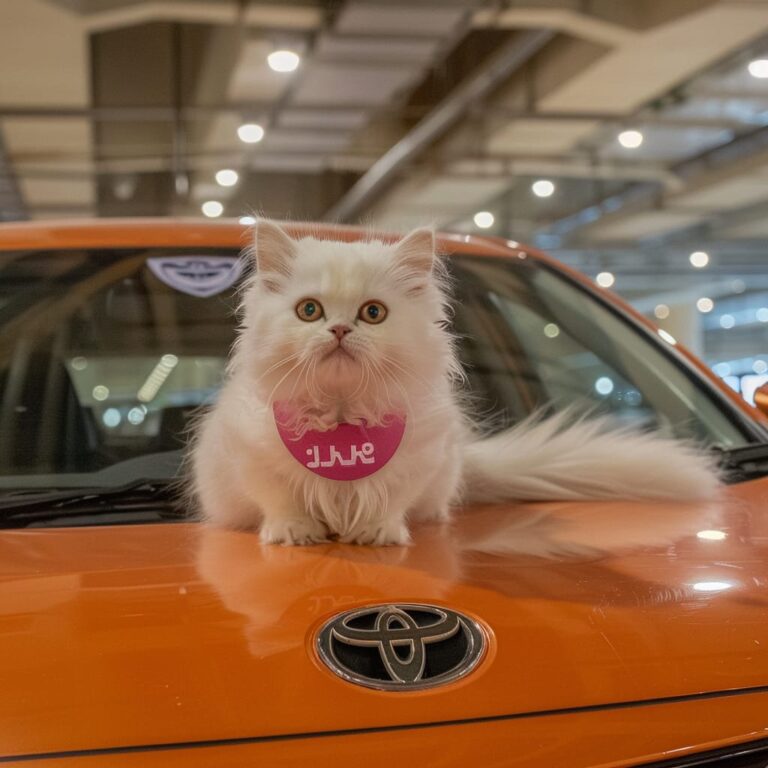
(403, 647)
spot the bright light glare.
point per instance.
(227, 177)
(543, 188)
(711, 586)
(605, 279)
(712, 535)
(727, 321)
(758, 68)
(212, 208)
(283, 61)
(604, 385)
(100, 392)
(111, 417)
(250, 133)
(136, 416)
(484, 219)
(668, 337)
(247, 220)
(661, 311)
(699, 259)
(551, 331)
(630, 139)
(705, 304)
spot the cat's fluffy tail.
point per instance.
(548, 460)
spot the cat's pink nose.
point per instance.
(340, 331)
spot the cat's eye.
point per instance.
(309, 310)
(372, 312)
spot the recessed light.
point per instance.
(727, 321)
(227, 177)
(605, 279)
(661, 311)
(604, 386)
(247, 220)
(760, 366)
(758, 68)
(484, 219)
(630, 139)
(551, 330)
(250, 133)
(283, 61)
(762, 314)
(212, 209)
(699, 259)
(543, 188)
(705, 304)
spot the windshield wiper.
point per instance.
(19, 510)
(745, 463)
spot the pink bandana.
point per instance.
(348, 452)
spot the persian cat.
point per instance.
(344, 351)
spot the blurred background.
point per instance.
(627, 137)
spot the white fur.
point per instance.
(244, 476)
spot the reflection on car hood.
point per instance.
(171, 633)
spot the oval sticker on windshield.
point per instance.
(200, 276)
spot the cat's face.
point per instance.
(332, 320)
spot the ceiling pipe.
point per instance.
(438, 122)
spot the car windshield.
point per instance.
(106, 355)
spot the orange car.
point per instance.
(548, 634)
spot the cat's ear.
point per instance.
(415, 258)
(275, 252)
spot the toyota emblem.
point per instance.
(401, 647)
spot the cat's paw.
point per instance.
(293, 532)
(382, 534)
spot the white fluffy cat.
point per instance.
(306, 340)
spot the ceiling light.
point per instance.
(760, 366)
(605, 279)
(604, 385)
(630, 139)
(484, 219)
(247, 220)
(727, 321)
(762, 314)
(227, 177)
(212, 208)
(543, 188)
(661, 311)
(738, 286)
(699, 259)
(250, 133)
(551, 331)
(283, 61)
(705, 304)
(758, 68)
(111, 417)
(100, 392)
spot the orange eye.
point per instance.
(309, 310)
(372, 312)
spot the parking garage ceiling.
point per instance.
(644, 117)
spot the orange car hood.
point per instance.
(126, 635)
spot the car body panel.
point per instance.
(129, 638)
(164, 633)
(598, 739)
